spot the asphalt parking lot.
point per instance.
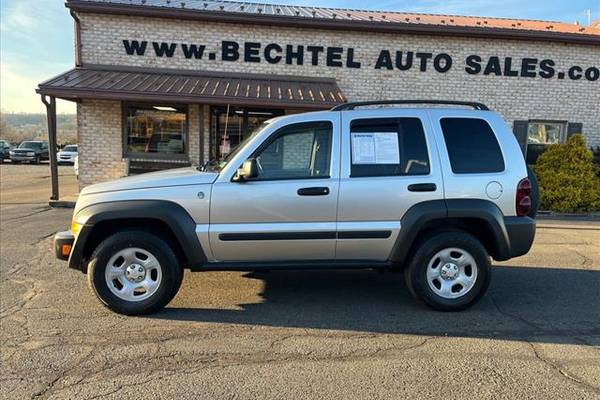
(297, 335)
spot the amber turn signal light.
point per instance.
(66, 250)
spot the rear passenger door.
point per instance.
(389, 163)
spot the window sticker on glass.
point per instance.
(375, 148)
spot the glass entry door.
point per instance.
(229, 126)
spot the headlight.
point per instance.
(12, 153)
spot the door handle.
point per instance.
(422, 187)
(313, 191)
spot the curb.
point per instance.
(61, 204)
(552, 216)
(581, 227)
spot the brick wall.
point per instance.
(100, 143)
(515, 97)
(194, 133)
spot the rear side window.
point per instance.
(388, 147)
(472, 146)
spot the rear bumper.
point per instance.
(521, 233)
(63, 245)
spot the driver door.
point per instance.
(288, 212)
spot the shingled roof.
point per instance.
(350, 19)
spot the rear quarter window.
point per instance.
(472, 146)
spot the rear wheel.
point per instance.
(449, 271)
(134, 273)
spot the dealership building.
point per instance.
(167, 83)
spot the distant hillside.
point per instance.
(16, 127)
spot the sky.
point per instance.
(36, 36)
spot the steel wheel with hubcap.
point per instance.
(134, 272)
(449, 271)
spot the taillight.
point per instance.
(523, 200)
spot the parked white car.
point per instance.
(67, 154)
(76, 166)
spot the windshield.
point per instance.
(70, 148)
(30, 145)
(215, 165)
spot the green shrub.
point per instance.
(568, 177)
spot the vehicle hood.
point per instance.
(171, 177)
(67, 153)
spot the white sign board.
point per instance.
(375, 148)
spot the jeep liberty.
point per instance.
(433, 192)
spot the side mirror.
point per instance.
(248, 171)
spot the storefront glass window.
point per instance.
(541, 132)
(231, 125)
(156, 130)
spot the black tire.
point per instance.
(416, 272)
(535, 193)
(36, 160)
(14, 162)
(172, 273)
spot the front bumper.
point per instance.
(63, 244)
(22, 157)
(521, 233)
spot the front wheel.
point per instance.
(134, 273)
(449, 271)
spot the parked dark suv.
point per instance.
(32, 151)
(4, 150)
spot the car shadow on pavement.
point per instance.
(538, 304)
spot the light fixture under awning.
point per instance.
(209, 87)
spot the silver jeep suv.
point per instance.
(433, 192)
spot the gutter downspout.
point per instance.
(77, 23)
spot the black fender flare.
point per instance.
(437, 210)
(179, 221)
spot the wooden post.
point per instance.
(51, 115)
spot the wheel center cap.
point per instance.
(449, 271)
(135, 273)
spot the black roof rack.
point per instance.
(353, 105)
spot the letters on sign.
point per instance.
(347, 57)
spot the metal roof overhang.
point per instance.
(205, 87)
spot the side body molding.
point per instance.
(477, 211)
(169, 213)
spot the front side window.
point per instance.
(297, 152)
(156, 130)
(472, 146)
(388, 147)
(541, 132)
